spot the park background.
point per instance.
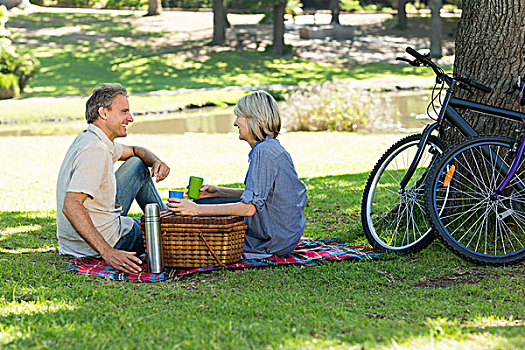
(172, 68)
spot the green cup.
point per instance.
(194, 186)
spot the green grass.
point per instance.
(66, 69)
(428, 300)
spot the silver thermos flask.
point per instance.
(153, 238)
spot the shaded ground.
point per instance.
(465, 275)
(376, 37)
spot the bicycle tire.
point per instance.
(394, 221)
(472, 223)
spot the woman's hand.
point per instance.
(183, 207)
(208, 191)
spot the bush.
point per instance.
(8, 86)
(187, 4)
(356, 5)
(350, 5)
(78, 3)
(334, 106)
(134, 4)
(23, 67)
(26, 68)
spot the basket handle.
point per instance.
(211, 251)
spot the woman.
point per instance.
(273, 199)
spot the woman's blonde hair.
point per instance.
(261, 112)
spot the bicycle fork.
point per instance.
(424, 138)
(417, 158)
(512, 170)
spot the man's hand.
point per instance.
(183, 207)
(159, 170)
(122, 260)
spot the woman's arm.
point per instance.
(185, 207)
(209, 191)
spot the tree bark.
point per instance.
(219, 22)
(489, 46)
(334, 9)
(402, 14)
(154, 8)
(436, 28)
(278, 28)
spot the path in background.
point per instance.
(376, 38)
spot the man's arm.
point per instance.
(77, 215)
(159, 169)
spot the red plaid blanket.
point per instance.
(308, 252)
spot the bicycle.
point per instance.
(393, 209)
(477, 186)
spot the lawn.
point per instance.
(429, 300)
(99, 48)
(78, 51)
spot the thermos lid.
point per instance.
(152, 209)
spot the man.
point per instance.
(92, 200)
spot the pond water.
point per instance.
(408, 110)
(209, 120)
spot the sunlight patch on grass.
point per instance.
(32, 307)
(494, 321)
(29, 250)
(9, 334)
(317, 342)
(479, 341)
(8, 232)
(314, 154)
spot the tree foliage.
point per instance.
(15, 70)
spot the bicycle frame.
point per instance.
(449, 113)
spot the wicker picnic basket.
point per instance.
(190, 241)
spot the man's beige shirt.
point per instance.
(88, 168)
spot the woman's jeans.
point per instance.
(134, 182)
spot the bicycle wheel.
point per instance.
(471, 221)
(394, 219)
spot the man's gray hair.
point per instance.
(102, 96)
(262, 114)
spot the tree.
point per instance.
(489, 46)
(219, 22)
(15, 70)
(154, 8)
(334, 9)
(278, 8)
(278, 27)
(402, 14)
(436, 28)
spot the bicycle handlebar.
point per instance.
(427, 61)
(480, 86)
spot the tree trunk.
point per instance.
(154, 8)
(489, 44)
(435, 38)
(219, 22)
(278, 28)
(334, 9)
(402, 14)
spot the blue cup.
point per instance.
(176, 194)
